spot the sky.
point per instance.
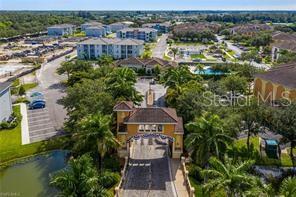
(147, 4)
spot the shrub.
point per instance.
(112, 164)
(109, 179)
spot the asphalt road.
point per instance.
(50, 85)
(160, 47)
(149, 172)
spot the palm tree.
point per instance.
(121, 82)
(80, 178)
(206, 137)
(288, 187)
(200, 68)
(95, 134)
(174, 51)
(232, 177)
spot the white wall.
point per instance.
(5, 105)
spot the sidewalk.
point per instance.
(179, 179)
(24, 122)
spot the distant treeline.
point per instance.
(13, 23)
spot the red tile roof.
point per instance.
(284, 74)
(153, 115)
(124, 106)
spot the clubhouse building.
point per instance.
(277, 83)
(158, 122)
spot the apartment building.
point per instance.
(60, 30)
(145, 34)
(282, 42)
(90, 24)
(115, 47)
(5, 102)
(114, 27)
(160, 27)
(95, 31)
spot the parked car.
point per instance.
(36, 94)
(37, 100)
(37, 105)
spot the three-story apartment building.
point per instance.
(115, 47)
(145, 34)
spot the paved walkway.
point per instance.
(179, 179)
(25, 126)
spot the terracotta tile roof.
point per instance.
(179, 127)
(149, 62)
(124, 106)
(153, 115)
(281, 36)
(194, 27)
(251, 28)
(284, 74)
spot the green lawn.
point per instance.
(113, 35)
(168, 58)
(284, 161)
(187, 43)
(197, 56)
(11, 148)
(29, 86)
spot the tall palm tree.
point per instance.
(288, 187)
(95, 134)
(232, 177)
(206, 137)
(80, 178)
(121, 82)
(174, 51)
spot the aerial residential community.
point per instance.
(135, 99)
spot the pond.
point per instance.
(31, 178)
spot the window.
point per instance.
(153, 128)
(160, 128)
(147, 128)
(141, 128)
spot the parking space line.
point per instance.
(40, 120)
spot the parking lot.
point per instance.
(40, 125)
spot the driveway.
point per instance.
(50, 85)
(160, 47)
(142, 85)
(149, 172)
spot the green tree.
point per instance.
(85, 98)
(120, 83)
(95, 134)
(284, 122)
(234, 83)
(250, 116)
(206, 137)
(175, 52)
(22, 90)
(288, 187)
(175, 77)
(231, 177)
(80, 178)
(66, 67)
(105, 60)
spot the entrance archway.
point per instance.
(157, 136)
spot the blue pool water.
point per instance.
(208, 71)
